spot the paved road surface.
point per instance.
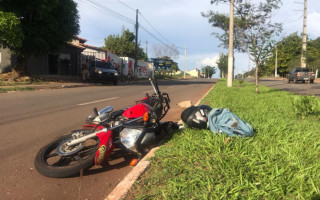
(299, 88)
(29, 120)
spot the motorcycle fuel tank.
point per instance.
(136, 110)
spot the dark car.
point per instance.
(103, 71)
(301, 74)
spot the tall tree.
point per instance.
(10, 31)
(256, 32)
(208, 71)
(289, 54)
(45, 26)
(289, 51)
(259, 32)
(124, 45)
(223, 65)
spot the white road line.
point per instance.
(82, 104)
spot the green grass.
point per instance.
(3, 90)
(281, 161)
(32, 81)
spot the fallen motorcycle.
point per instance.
(136, 129)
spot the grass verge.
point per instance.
(4, 90)
(282, 160)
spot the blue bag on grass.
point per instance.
(224, 121)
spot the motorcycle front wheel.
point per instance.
(57, 161)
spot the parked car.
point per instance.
(301, 74)
(103, 71)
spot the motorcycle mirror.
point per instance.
(95, 112)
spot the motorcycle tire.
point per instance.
(49, 163)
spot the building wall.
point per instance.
(194, 73)
(67, 62)
(99, 54)
(5, 60)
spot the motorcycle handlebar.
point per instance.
(155, 87)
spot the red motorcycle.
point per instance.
(136, 129)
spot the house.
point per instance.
(91, 52)
(66, 62)
(194, 73)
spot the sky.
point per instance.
(179, 23)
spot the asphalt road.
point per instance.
(29, 120)
(299, 88)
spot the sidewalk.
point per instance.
(61, 85)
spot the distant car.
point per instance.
(301, 74)
(103, 71)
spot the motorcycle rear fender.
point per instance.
(105, 148)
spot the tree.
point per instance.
(259, 32)
(221, 21)
(223, 65)
(10, 31)
(45, 25)
(289, 54)
(289, 51)
(124, 45)
(208, 71)
(165, 50)
(256, 32)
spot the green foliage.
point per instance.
(124, 45)
(45, 25)
(281, 161)
(223, 65)
(306, 105)
(221, 21)
(4, 90)
(10, 31)
(208, 71)
(289, 54)
(254, 31)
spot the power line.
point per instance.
(153, 28)
(94, 5)
(126, 5)
(104, 10)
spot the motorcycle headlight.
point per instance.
(129, 136)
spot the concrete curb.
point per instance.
(122, 189)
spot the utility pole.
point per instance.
(147, 49)
(304, 37)
(136, 46)
(276, 64)
(122, 41)
(185, 57)
(230, 56)
(197, 70)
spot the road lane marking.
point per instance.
(82, 104)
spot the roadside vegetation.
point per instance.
(18, 83)
(4, 90)
(281, 161)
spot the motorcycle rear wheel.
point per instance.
(49, 162)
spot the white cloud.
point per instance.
(212, 61)
(313, 27)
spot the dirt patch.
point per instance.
(10, 78)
